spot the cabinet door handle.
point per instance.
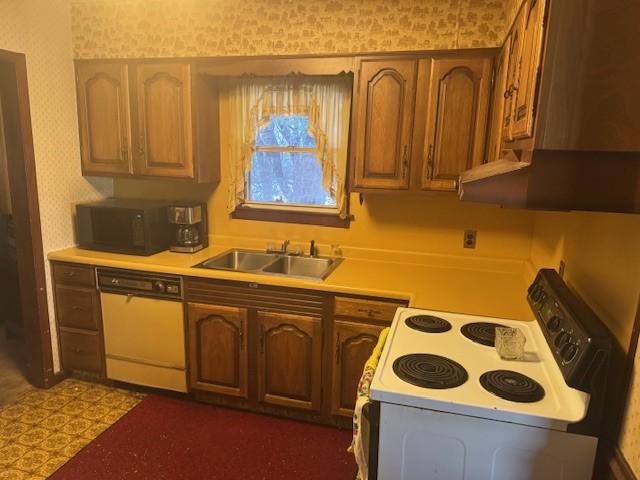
(405, 162)
(141, 146)
(241, 335)
(430, 162)
(261, 339)
(370, 311)
(338, 349)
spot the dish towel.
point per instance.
(362, 398)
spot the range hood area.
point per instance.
(558, 180)
(580, 146)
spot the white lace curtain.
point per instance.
(326, 101)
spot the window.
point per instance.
(284, 167)
(288, 148)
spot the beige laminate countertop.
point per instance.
(495, 288)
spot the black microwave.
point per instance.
(136, 227)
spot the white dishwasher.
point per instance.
(143, 323)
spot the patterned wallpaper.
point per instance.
(166, 28)
(630, 438)
(40, 29)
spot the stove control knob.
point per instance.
(562, 339)
(158, 286)
(568, 352)
(553, 325)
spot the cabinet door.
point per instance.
(386, 95)
(529, 64)
(218, 349)
(498, 103)
(353, 343)
(163, 120)
(289, 361)
(512, 77)
(456, 119)
(103, 116)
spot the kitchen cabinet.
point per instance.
(77, 306)
(353, 343)
(528, 61)
(144, 119)
(384, 123)
(498, 102)
(456, 119)
(163, 120)
(218, 352)
(289, 361)
(103, 111)
(513, 68)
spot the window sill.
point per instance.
(290, 216)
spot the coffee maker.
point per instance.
(190, 221)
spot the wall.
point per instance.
(167, 28)
(41, 31)
(603, 265)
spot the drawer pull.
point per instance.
(369, 311)
(70, 274)
(76, 308)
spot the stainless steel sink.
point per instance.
(240, 260)
(313, 267)
(250, 261)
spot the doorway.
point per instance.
(25, 339)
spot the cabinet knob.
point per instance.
(405, 162)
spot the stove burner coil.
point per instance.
(483, 333)
(512, 386)
(428, 324)
(430, 371)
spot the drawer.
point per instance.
(366, 309)
(73, 274)
(81, 351)
(77, 307)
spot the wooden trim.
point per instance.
(619, 468)
(24, 198)
(291, 216)
(318, 57)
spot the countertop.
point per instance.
(488, 287)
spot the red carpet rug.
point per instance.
(165, 438)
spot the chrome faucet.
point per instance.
(284, 247)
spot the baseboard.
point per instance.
(619, 469)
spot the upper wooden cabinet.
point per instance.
(289, 361)
(456, 119)
(103, 111)
(146, 119)
(163, 128)
(384, 123)
(498, 102)
(218, 352)
(528, 61)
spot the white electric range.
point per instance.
(451, 408)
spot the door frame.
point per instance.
(24, 199)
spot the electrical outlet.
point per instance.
(561, 269)
(469, 239)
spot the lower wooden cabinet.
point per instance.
(218, 351)
(353, 343)
(289, 361)
(79, 322)
(81, 350)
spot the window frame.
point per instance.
(302, 214)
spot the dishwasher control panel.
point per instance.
(143, 284)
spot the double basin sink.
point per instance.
(249, 261)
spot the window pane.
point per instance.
(285, 131)
(286, 177)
